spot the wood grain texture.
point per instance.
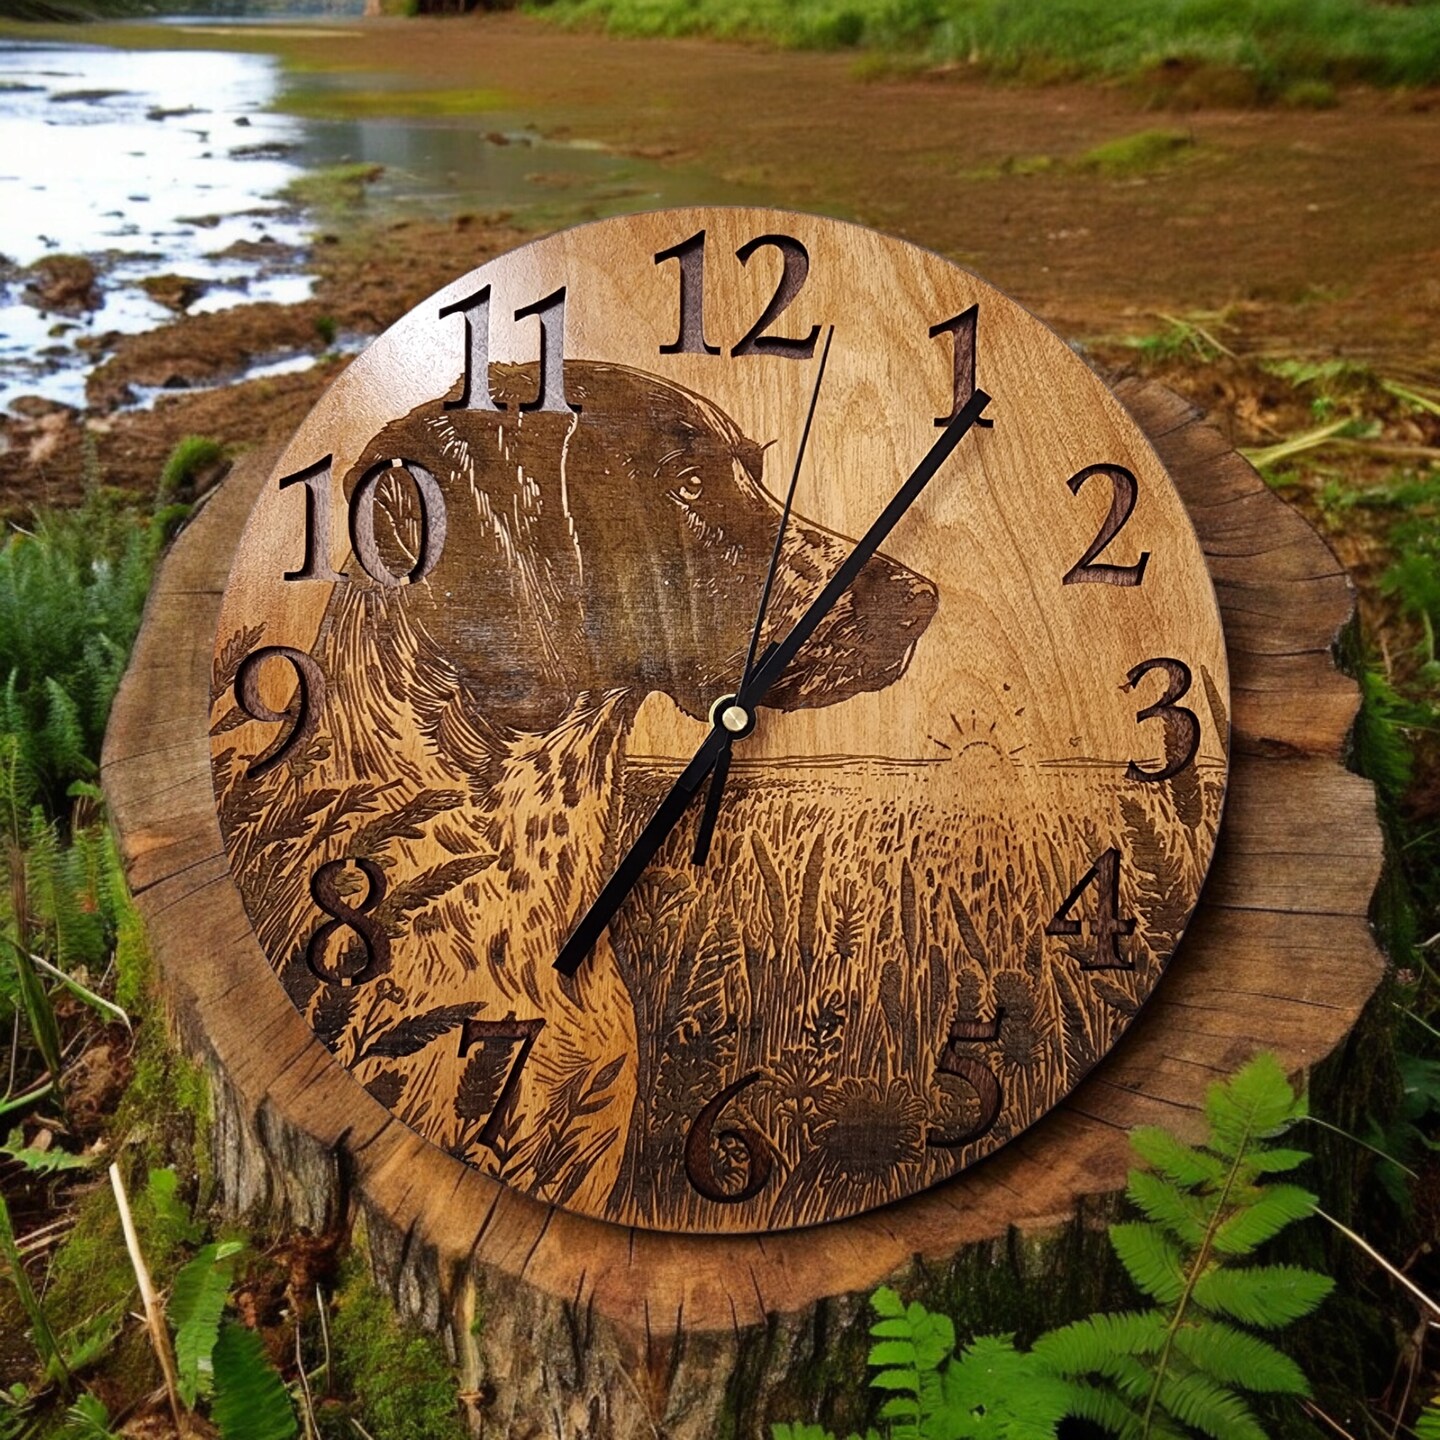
(474, 632)
(587, 1320)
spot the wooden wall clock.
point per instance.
(649, 911)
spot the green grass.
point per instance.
(333, 187)
(1288, 49)
(341, 104)
(1138, 154)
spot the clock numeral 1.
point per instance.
(1182, 725)
(316, 480)
(964, 327)
(475, 1078)
(1124, 491)
(475, 385)
(975, 1072)
(325, 890)
(303, 712)
(1108, 925)
(700, 1143)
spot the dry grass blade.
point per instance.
(1432, 1306)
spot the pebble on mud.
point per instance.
(174, 292)
(62, 282)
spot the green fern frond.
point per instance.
(1427, 1425)
(1153, 1260)
(1233, 1357)
(1277, 1207)
(251, 1402)
(1172, 1158)
(1184, 1216)
(991, 1391)
(1255, 1104)
(1086, 1347)
(1105, 1409)
(1276, 1161)
(197, 1302)
(1209, 1407)
(86, 1419)
(1266, 1296)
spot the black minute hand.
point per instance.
(671, 809)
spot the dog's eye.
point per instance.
(686, 493)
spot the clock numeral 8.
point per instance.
(700, 1145)
(325, 890)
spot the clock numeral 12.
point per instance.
(475, 387)
(316, 480)
(486, 1032)
(1108, 925)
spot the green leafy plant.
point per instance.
(251, 1402)
(197, 1303)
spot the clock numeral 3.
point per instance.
(325, 889)
(700, 1145)
(302, 713)
(483, 1033)
(316, 480)
(1182, 725)
(965, 328)
(1108, 925)
(1124, 492)
(475, 385)
(976, 1073)
(796, 269)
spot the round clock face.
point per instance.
(934, 850)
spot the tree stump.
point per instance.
(572, 1327)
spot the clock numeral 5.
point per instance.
(1108, 925)
(700, 1145)
(475, 385)
(302, 713)
(508, 1031)
(795, 270)
(316, 480)
(325, 890)
(1124, 492)
(1182, 725)
(975, 1072)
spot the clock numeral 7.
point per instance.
(475, 384)
(316, 481)
(976, 1073)
(1108, 925)
(477, 1081)
(700, 1145)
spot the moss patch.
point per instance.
(334, 187)
(1139, 154)
(341, 104)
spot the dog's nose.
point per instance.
(890, 596)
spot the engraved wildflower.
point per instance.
(867, 1129)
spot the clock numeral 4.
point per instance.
(317, 486)
(1124, 490)
(795, 270)
(1108, 925)
(475, 384)
(976, 1073)
(1182, 725)
(349, 968)
(477, 1084)
(700, 1145)
(302, 714)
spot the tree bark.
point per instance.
(571, 1327)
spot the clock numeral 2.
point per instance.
(303, 712)
(508, 1031)
(1124, 491)
(325, 890)
(965, 328)
(691, 340)
(475, 386)
(316, 480)
(1108, 925)
(975, 1073)
(1182, 725)
(700, 1145)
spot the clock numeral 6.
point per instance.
(302, 713)
(325, 890)
(476, 1083)
(1108, 925)
(700, 1145)
(1124, 492)
(316, 480)
(1182, 725)
(975, 1073)
(795, 270)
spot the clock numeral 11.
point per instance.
(475, 387)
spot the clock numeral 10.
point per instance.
(976, 1073)
(303, 712)
(316, 481)
(475, 386)
(795, 270)
(1108, 925)
(700, 1145)
(483, 1033)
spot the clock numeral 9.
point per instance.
(316, 480)
(1124, 491)
(483, 1033)
(1108, 925)
(475, 385)
(976, 1073)
(303, 712)
(325, 890)
(700, 1145)
(691, 340)
(1182, 725)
